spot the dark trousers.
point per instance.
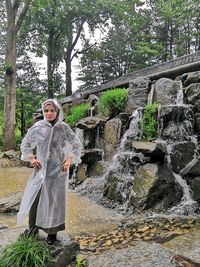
(32, 218)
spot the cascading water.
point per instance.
(179, 99)
(187, 205)
(91, 111)
(135, 129)
(150, 95)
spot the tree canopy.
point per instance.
(109, 37)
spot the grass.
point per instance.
(25, 252)
(112, 102)
(149, 121)
(77, 113)
(80, 262)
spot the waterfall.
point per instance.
(80, 134)
(150, 95)
(187, 205)
(160, 124)
(179, 98)
(91, 112)
(135, 129)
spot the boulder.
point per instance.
(166, 91)
(191, 77)
(112, 134)
(11, 202)
(154, 187)
(117, 187)
(175, 122)
(137, 93)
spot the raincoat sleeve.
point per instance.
(29, 143)
(73, 145)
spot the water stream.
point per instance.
(82, 216)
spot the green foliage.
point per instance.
(149, 122)
(77, 113)
(112, 102)
(8, 69)
(80, 262)
(25, 252)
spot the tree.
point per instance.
(57, 28)
(15, 13)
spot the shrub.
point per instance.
(112, 102)
(80, 262)
(77, 113)
(25, 252)
(149, 121)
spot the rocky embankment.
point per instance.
(11, 158)
(145, 242)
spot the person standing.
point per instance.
(57, 147)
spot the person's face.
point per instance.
(50, 113)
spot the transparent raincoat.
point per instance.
(53, 144)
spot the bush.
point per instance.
(77, 113)
(25, 252)
(113, 102)
(149, 121)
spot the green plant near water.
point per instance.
(149, 121)
(25, 252)
(112, 102)
(80, 262)
(77, 113)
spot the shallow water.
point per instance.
(82, 215)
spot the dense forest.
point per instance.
(109, 37)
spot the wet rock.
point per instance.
(81, 173)
(125, 119)
(155, 150)
(176, 122)
(141, 254)
(137, 93)
(91, 132)
(11, 154)
(181, 154)
(10, 203)
(197, 121)
(192, 94)
(194, 183)
(166, 91)
(112, 134)
(187, 245)
(154, 187)
(2, 227)
(118, 187)
(63, 251)
(191, 77)
(128, 162)
(91, 122)
(90, 156)
(97, 169)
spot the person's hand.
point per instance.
(35, 163)
(66, 165)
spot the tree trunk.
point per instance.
(22, 120)
(68, 73)
(14, 22)
(50, 64)
(68, 56)
(9, 139)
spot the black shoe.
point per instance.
(51, 239)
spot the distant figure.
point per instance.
(57, 148)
